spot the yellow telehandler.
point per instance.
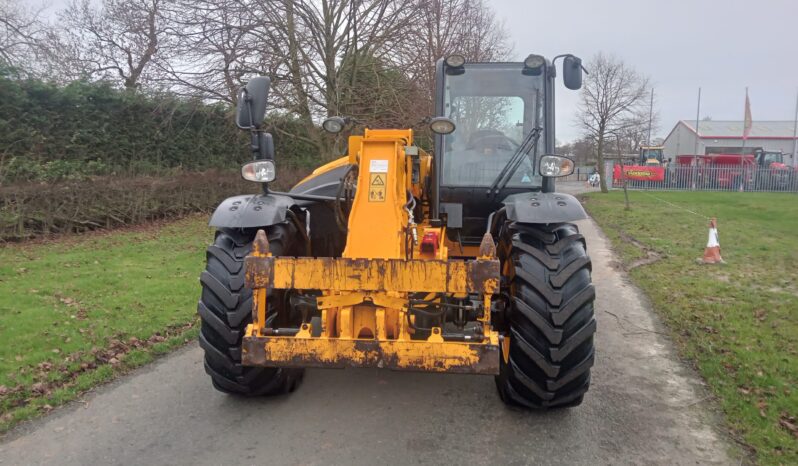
(463, 261)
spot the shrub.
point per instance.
(74, 206)
(51, 133)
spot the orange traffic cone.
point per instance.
(712, 252)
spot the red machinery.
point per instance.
(649, 167)
(731, 170)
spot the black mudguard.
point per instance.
(537, 207)
(251, 210)
(322, 184)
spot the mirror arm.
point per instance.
(553, 66)
(567, 55)
(255, 146)
(554, 60)
(259, 152)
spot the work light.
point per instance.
(455, 61)
(261, 171)
(441, 125)
(534, 61)
(334, 124)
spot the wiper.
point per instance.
(529, 142)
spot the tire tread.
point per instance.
(551, 323)
(225, 310)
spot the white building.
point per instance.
(726, 137)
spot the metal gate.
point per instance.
(703, 178)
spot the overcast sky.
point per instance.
(720, 45)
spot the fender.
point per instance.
(251, 210)
(537, 207)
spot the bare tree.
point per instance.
(315, 51)
(613, 101)
(634, 134)
(321, 50)
(212, 47)
(333, 55)
(117, 40)
(371, 58)
(21, 35)
(467, 27)
(321, 38)
(581, 150)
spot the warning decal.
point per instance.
(378, 166)
(377, 187)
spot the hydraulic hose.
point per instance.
(340, 218)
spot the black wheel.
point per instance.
(225, 309)
(548, 348)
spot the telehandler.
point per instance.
(463, 261)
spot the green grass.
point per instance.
(75, 312)
(737, 322)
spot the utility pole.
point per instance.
(747, 124)
(694, 162)
(650, 116)
(697, 118)
(795, 133)
(623, 172)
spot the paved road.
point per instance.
(643, 407)
(574, 187)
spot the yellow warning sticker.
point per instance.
(377, 187)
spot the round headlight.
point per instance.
(333, 125)
(261, 171)
(441, 125)
(534, 61)
(556, 165)
(455, 61)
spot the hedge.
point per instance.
(50, 132)
(36, 209)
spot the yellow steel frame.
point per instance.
(364, 294)
(399, 275)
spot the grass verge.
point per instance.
(77, 311)
(737, 322)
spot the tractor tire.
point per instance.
(549, 322)
(225, 310)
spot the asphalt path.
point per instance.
(644, 407)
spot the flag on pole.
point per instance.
(748, 121)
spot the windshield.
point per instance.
(494, 106)
(652, 154)
(773, 157)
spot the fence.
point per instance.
(703, 178)
(580, 174)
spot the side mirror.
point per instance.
(572, 72)
(265, 148)
(251, 108)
